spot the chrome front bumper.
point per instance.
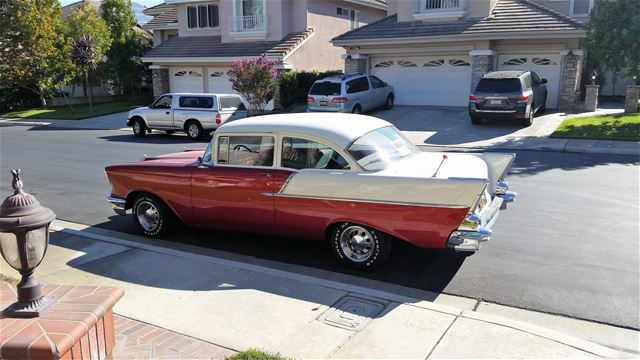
(476, 228)
(118, 205)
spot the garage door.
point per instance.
(547, 66)
(219, 81)
(186, 80)
(433, 80)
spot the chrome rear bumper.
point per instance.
(476, 228)
(118, 205)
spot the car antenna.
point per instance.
(444, 157)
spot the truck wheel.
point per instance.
(193, 129)
(139, 128)
(152, 217)
(360, 247)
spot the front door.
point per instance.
(161, 113)
(236, 191)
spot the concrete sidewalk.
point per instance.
(105, 122)
(239, 302)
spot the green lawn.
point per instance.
(605, 127)
(80, 111)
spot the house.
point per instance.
(435, 51)
(197, 40)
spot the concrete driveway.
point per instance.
(451, 126)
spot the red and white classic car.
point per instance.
(353, 180)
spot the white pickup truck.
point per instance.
(195, 114)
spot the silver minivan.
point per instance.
(350, 93)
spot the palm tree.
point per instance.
(84, 53)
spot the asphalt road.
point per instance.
(569, 245)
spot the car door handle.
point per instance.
(267, 174)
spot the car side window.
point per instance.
(164, 102)
(246, 150)
(197, 102)
(298, 153)
(376, 83)
(536, 79)
(357, 85)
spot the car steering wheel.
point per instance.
(240, 147)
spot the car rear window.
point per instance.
(231, 102)
(498, 85)
(325, 88)
(199, 102)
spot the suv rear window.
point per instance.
(199, 102)
(498, 85)
(325, 88)
(231, 102)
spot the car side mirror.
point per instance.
(543, 81)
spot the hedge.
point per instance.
(295, 85)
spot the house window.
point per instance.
(434, 63)
(383, 64)
(457, 62)
(516, 61)
(203, 16)
(581, 7)
(542, 61)
(435, 5)
(405, 63)
(353, 18)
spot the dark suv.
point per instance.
(514, 95)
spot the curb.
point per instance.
(548, 148)
(565, 339)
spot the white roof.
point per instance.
(338, 128)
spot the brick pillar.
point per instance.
(160, 78)
(570, 69)
(591, 97)
(355, 66)
(631, 101)
(481, 63)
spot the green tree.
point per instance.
(83, 55)
(255, 80)
(34, 54)
(121, 57)
(85, 21)
(613, 36)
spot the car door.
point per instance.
(380, 91)
(161, 113)
(235, 191)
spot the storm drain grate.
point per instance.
(352, 313)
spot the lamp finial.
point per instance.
(17, 182)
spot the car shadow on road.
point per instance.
(155, 138)
(410, 271)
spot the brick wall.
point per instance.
(570, 69)
(480, 65)
(160, 81)
(355, 66)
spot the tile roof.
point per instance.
(508, 17)
(167, 15)
(212, 47)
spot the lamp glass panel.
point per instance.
(9, 244)
(36, 245)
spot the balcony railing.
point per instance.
(429, 6)
(251, 23)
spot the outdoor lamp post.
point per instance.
(594, 75)
(24, 236)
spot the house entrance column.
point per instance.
(355, 64)
(481, 63)
(570, 70)
(160, 80)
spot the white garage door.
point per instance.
(432, 80)
(547, 66)
(219, 81)
(186, 80)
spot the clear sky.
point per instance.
(146, 3)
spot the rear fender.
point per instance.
(498, 164)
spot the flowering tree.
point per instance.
(255, 80)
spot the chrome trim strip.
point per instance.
(469, 239)
(496, 111)
(119, 205)
(371, 201)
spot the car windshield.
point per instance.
(377, 149)
(498, 85)
(325, 88)
(206, 157)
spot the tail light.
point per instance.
(310, 99)
(473, 98)
(523, 98)
(339, 100)
(218, 119)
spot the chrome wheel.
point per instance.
(148, 215)
(357, 243)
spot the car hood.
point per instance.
(426, 164)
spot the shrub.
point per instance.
(17, 98)
(255, 80)
(295, 85)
